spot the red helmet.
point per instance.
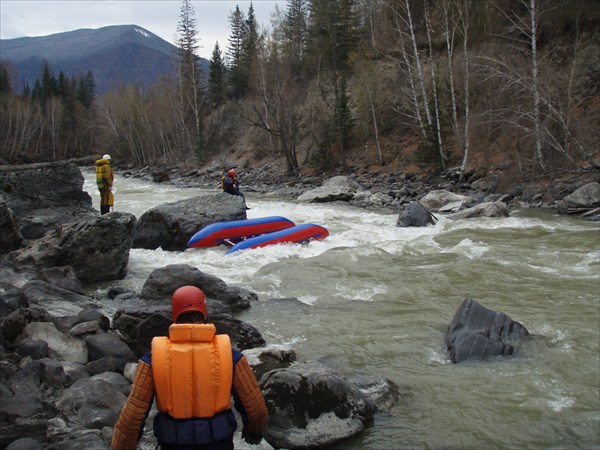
(231, 172)
(188, 298)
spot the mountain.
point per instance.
(115, 54)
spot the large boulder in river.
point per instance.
(334, 189)
(97, 249)
(312, 406)
(414, 215)
(171, 225)
(584, 199)
(477, 332)
(45, 195)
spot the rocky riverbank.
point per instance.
(395, 191)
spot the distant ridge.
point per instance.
(115, 54)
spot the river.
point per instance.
(377, 300)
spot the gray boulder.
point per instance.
(415, 215)
(56, 301)
(270, 357)
(163, 281)
(97, 249)
(60, 345)
(477, 332)
(10, 233)
(45, 195)
(487, 209)
(171, 225)
(584, 199)
(445, 201)
(339, 188)
(63, 277)
(312, 406)
(95, 401)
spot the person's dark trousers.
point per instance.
(104, 201)
(226, 444)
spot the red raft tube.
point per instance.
(298, 234)
(234, 231)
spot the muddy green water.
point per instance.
(377, 300)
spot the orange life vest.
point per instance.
(192, 371)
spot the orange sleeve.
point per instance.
(131, 420)
(250, 395)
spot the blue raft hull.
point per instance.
(237, 230)
(297, 234)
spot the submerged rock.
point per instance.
(477, 332)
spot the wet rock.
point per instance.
(44, 196)
(63, 277)
(116, 379)
(74, 371)
(414, 215)
(14, 323)
(25, 444)
(105, 345)
(312, 406)
(10, 233)
(93, 315)
(142, 335)
(243, 335)
(162, 282)
(381, 392)
(89, 391)
(478, 333)
(170, 226)
(584, 199)
(97, 248)
(54, 300)
(37, 349)
(265, 359)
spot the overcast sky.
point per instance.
(19, 18)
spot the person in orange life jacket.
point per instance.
(230, 183)
(104, 180)
(193, 373)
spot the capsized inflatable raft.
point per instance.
(297, 234)
(236, 230)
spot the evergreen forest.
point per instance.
(332, 84)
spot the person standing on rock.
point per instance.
(193, 373)
(104, 180)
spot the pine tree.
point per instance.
(5, 83)
(189, 73)
(216, 78)
(295, 30)
(48, 84)
(86, 91)
(237, 76)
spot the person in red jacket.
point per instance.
(193, 373)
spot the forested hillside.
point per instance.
(392, 85)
